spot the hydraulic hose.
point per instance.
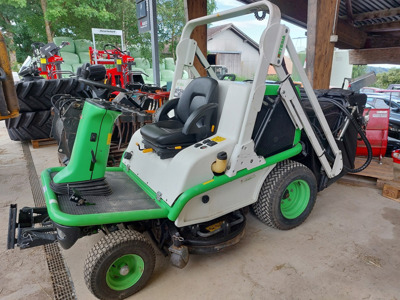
(362, 135)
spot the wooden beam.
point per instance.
(195, 9)
(349, 36)
(389, 26)
(386, 41)
(320, 22)
(375, 56)
(390, 12)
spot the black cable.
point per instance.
(360, 131)
(349, 115)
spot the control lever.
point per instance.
(93, 157)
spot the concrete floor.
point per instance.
(23, 273)
(349, 248)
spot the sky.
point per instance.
(253, 28)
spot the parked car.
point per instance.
(394, 94)
(380, 100)
(395, 86)
(368, 90)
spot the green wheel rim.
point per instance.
(295, 199)
(124, 272)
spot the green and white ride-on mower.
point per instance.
(185, 182)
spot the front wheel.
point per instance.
(119, 265)
(287, 196)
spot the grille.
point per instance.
(61, 279)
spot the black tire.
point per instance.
(275, 207)
(30, 126)
(103, 264)
(35, 95)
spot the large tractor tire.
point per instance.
(30, 126)
(119, 265)
(287, 196)
(35, 95)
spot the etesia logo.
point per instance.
(281, 46)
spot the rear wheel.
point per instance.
(119, 265)
(287, 196)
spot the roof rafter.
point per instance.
(389, 26)
(372, 14)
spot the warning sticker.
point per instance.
(382, 115)
(218, 139)
(214, 227)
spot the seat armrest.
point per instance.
(205, 112)
(162, 112)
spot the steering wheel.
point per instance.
(113, 46)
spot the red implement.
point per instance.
(377, 132)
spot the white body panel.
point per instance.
(228, 197)
(192, 166)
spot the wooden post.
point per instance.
(321, 24)
(195, 9)
(7, 86)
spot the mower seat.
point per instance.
(194, 119)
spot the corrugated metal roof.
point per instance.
(365, 6)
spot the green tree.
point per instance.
(358, 70)
(171, 20)
(386, 78)
(25, 21)
(75, 18)
(21, 22)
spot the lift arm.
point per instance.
(292, 103)
(273, 43)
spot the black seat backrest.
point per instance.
(200, 91)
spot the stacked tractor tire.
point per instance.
(35, 101)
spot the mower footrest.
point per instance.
(28, 235)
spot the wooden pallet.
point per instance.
(43, 143)
(391, 192)
(382, 170)
(375, 175)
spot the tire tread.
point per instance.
(263, 208)
(30, 126)
(36, 95)
(104, 247)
